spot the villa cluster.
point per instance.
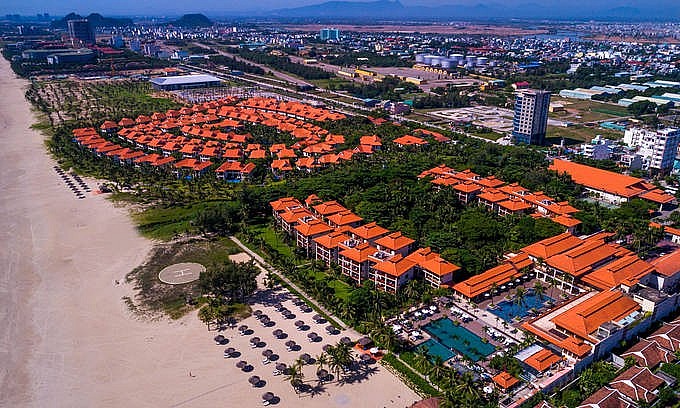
(501, 197)
(331, 233)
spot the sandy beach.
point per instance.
(68, 340)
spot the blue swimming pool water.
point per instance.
(458, 338)
(434, 348)
(507, 309)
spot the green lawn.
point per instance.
(164, 223)
(341, 288)
(275, 241)
(578, 134)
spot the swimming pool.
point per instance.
(434, 348)
(507, 309)
(458, 338)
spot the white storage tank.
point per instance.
(427, 59)
(420, 57)
(470, 58)
(446, 63)
(482, 60)
(436, 61)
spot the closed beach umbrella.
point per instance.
(267, 353)
(267, 396)
(241, 364)
(254, 380)
(254, 340)
(299, 323)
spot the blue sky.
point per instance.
(221, 7)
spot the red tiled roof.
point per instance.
(542, 360)
(505, 380)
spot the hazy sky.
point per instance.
(219, 7)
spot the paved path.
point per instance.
(267, 267)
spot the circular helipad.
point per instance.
(180, 273)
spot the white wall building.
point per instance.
(658, 148)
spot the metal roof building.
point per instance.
(184, 82)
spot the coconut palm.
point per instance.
(295, 375)
(421, 360)
(539, 289)
(437, 369)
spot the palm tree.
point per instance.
(520, 295)
(421, 360)
(437, 370)
(494, 292)
(539, 289)
(295, 375)
(321, 360)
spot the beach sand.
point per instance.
(68, 339)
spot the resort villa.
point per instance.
(331, 233)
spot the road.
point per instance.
(278, 74)
(267, 267)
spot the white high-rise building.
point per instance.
(658, 148)
(531, 116)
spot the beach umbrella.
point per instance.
(299, 323)
(277, 333)
(326, 347)
(254, 380)
(486, 295)
(330, 328)
(267, 396)
(264, 316)
(241, 364)
(365, 357)
(243, 328)
(257, 313)
(322, 374)
(229, 351)
(290, 343)
(305, 358)
(265, 320)
(254, 340)
(278, 306)
(219, 338)
(345, 340)
(312, 335)
(284, 312)
(267, 353)
(433, 307)
(281, 366)
(317, 317)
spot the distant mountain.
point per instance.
(192, 21)
(95, 19)
(395, 10)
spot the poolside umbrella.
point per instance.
(327, 347)
(258, 313)
(345, 340)
(322, 374)
(219, 338)
(267, 396)
(243, 328)
(290, 343)
(433, 307)
(229, 351)
(241, 364)
(277, 333)
(312, 335)
(254, 380)
(305, 357)
(365, 357)
(254, 340)
(517, 280)
(486, 295)
(299, 323)
(267, 353)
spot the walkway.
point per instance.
(267, 267)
